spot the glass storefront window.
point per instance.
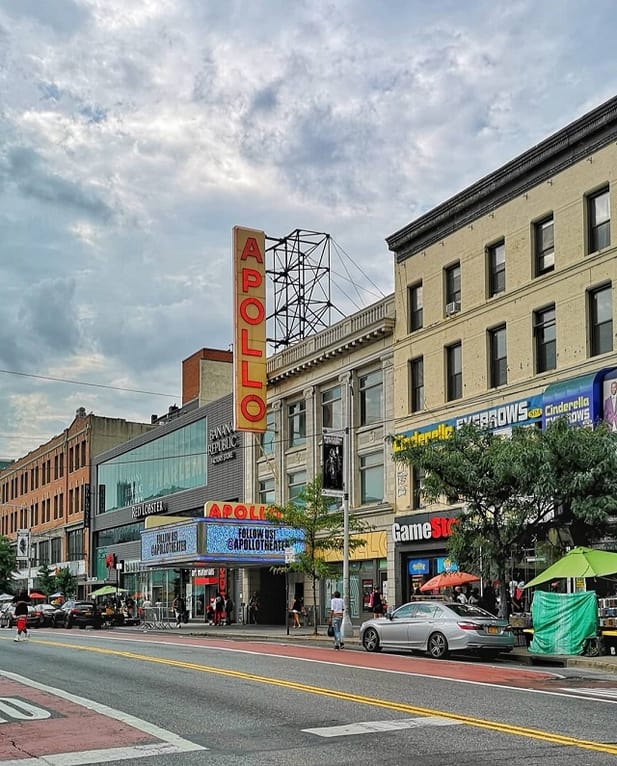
(172, 463)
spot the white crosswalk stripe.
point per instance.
(371, 727)
(605, 693)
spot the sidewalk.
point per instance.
(606, 663)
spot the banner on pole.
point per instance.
(332, 478)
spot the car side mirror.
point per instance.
(388, 615)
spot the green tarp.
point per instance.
(562, 622)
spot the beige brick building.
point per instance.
(504, 303)
(341, 377)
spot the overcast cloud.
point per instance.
(134, 134)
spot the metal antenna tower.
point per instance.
(300, 274)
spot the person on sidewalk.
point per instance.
(229, 610)
(376, 603)
(219, 609)
(21, 617)
(337, 607)
(296, 611)
(179, 607)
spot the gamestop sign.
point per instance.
(437, 528)
(249, 330)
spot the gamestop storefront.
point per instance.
(420, 544)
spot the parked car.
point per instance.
(438, 628)
(8, 619)
(79, 613)
(44, 613)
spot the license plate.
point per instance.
(493, 630)
(88, 614)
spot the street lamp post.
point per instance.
(347, 625)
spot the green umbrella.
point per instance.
(579, 562)
(107, 590)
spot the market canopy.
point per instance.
(448, 580)
(107, 590)
(579, 562)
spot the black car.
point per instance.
(79, 613)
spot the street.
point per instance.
(89, 697)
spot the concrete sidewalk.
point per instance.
(238, 632)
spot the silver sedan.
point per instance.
(438, 628)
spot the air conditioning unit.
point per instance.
(452, 308)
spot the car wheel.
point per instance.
(370, 640)
(437, 646)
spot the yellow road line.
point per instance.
(401, 707)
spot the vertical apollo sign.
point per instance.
(249, 330)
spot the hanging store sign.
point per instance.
(436, 528)
(249, 330)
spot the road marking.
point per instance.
(400, 707)
(170, 743)
(371, 727)
(604, 693)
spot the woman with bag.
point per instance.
(376, 603)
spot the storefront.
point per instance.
(165, 475)
(420, 543)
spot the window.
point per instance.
(416, 374)
(266, 491)
(332, 408)
(544, 246)
(267, 437)
(453, 287)
(599, 218)
(454, 372)
(496, 269)
(75, 545)
(56, 549)
(414, 297)
(296, 422)
(600, 320)
(296, 482)
(498, 359)
(371, 478)
(544, 337)
(418, 487)
(371, 388)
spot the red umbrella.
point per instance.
(448, 580)
(36, 595)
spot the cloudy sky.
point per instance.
(134, 134)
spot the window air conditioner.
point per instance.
(452, 308)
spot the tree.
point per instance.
(46, 579)
(66, 582)
(319, 530)
(515, 489)
(8, 565)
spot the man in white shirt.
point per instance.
(337, 607)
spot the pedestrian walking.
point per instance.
(21, 617)
(253, 609)
(179, 607)
(229, 610)
(337, 607)
(376, 603)
(219, 609)
(296, 611)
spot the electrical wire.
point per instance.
(86, 383)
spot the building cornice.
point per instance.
(361, 329)
(581, 138)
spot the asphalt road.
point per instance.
(73, 697)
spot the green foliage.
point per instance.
(320, 529)
(8, 565)
(514, 490)
(66, 582)
(46, 580)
